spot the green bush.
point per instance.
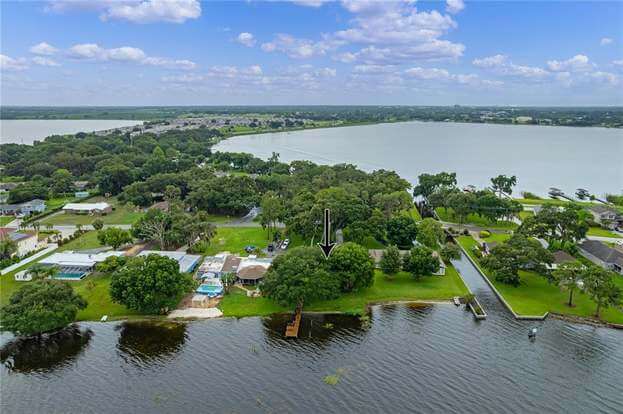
(484, 234)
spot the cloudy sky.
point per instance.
(186, 52)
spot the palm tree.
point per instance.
(36, 225)
(569, 277)
(8, 247)
(79, 227)
(49, 226)
(43, 272)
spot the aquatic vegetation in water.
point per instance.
(328, 325)
(365, 322)
(335, 378)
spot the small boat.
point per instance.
(457, 301)
(532, 333)
(104, 318)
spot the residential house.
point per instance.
(99, 209)
(603, 255)
(187, 262)
(23, 209)
(212, 266)
(76, 265)
(561, 257)
(251, 270)
(26, 242)
(606, 216)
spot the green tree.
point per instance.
(420, 262)
(300, 275)
(62, 182)
(272, 211)
(98, 224)
(568, 276)
(518, 253)
(563, 225)
(391, 261)
(462, 205)
(153, 226)
(430, 233)
(450, 251)
(429, 183)
(39, 271)
(8, 247)
(151, 284)
(600, 286)
(352, 265)
(114, 237)
(401, 231)
(112, 178)
(503, 184)
(41, 306)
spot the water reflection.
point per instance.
(46, 353)
(315, 328)
(144, 342)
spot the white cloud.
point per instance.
(43, 48)
(135, 11)
(578, 63)
(605, 41)
(246, 39)
(43, 61)
(92, 51)
(11, 64)
(501, 65)
(428, 73)
(374, 69)
(454, 6)
(299, 48)
(606, 77)
(618, 63)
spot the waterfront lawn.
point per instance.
(236, 303)
(4, 220)
(535, 296)
(497, 237)
(598, 231)
(447, 215)
(234, 240)
(401, 287)
(122, 214)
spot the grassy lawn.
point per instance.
(448, 216)
(234, 239)
(122, 214)
(54, 203)
(4, 220)
(535, 295)
(525, 214)
(237, 304)
(94, 288)
(400, 288)
(497, 237)
(414, 214)
(598, 231)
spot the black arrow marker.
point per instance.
(326, 245)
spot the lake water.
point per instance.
(541, 157)
(26, 131)
(410, 359)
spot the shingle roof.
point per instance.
(602, 251)
(561, 257)
(599, 209)
(253, 272)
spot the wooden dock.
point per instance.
(292, 329)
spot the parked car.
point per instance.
(271, 248)
(249, 249)
(285, 244)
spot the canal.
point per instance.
(418, 358)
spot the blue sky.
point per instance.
(186, 52)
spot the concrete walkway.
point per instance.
(195, 313)
(51, 247)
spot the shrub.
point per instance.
(529, 195)
(484, 234)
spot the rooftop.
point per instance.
(186, 261)
(77, 259)
(602, 251)
(561, 257)
(86, 206)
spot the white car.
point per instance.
(285, 244)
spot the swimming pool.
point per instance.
(70, 275)
(210, 290)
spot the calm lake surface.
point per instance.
(540, 157)
(423, 359)
(26, 131)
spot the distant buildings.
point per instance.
(606, 216)
(25, 209)
(99, 209)
(602, 255)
